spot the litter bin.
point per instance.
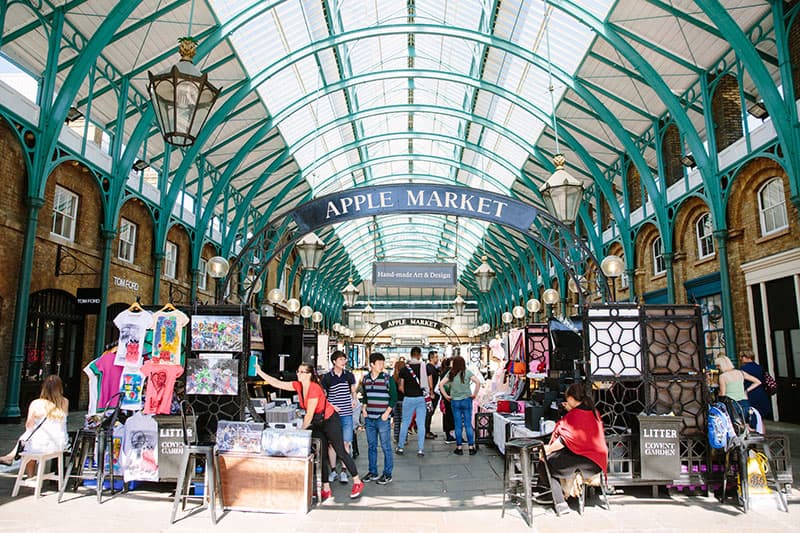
(660, 447)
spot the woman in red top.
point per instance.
(323, 421)
(578, 443)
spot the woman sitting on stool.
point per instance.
(578, 443)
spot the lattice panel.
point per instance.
(683, 398)
(516, 347)
(673, 340)
(623, 453)
(613, 338)
(619, 404)
(484, 423)
(537, 344)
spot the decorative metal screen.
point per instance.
(516, 346)
(537, 345)
(672, 340)
(613, 341)
(683, 398)
(619, 404)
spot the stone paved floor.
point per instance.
(439, 492)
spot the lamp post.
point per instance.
(182, 97)
(316, 318)
(518, 312)
(550, 297)
(218, 267)
(533, 306)
(613, 266)
(306, 313)
(507, 318)
(293, 305)
(310, 249)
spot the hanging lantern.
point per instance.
(350, 293)
(182, 97)
(368, 314)
(459, 304)
(310, 249)
(562, 193)
(485, 275)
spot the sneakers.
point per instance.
(458, 451)
(358, 488)
(384, 479)
(343, 478)
(369, 477)
(398, 451)
(325, 495)
(449, 438)
(420, 453)
(430, 435)
(472, 451)
(332, 476)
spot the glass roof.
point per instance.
(395, 106)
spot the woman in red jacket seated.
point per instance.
(578, 443)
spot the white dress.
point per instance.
(50, 437)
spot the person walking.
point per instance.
(340, 386)
(433, 372)
(378, 398)
(759, 399)
(322, 419)
(397, 414)
(414, 383)
(461, 395)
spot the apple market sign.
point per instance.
(413, 198)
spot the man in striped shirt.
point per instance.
(378, 398)
(340, 386)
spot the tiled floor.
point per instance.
(438, 492)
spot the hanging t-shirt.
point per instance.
(94, 375)
(130, 385)
(140, 449)
(132, 326)
(160, 384)
(109, 380)
(168, 336)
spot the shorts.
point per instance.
(347, 428)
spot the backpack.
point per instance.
(720, 428)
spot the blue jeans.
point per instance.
(462, 416)
(377, 428)
(410, 406)
(347, 428)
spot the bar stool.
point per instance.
(41, 460)
(518, 485)
(212, 486)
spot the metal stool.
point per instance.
(597, 480)
(212, 486)
(518, 485)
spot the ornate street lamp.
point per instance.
(459, 304)
(316, 317)
(368, 314)
(612, 266)
(275, 296)
(350, 293)
(217, 267)
(310, 249)
(518, 312)
(562, 193)
(182, 97)
(507, 318)
(550, 297)
(485, 275)
(293, 305)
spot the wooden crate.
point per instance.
(266, 484)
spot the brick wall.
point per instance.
(794, 55)
(671, 153)
(645, 280)
(687, 264)
(726, 110)
(634, 186)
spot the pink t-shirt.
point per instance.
(160, 384)
(109, 382)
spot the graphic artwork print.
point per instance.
(167, 337)
(217, 333)
(216, 376)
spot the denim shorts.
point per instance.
(347, 428)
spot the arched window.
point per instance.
(772, 207)
(705, 236)
(659, 267)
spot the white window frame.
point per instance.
(170, 259)
(768, 212)
(127, 241)
(659, 266)
(202, 274)
(64, 220)
(624, 282)
(705, 239)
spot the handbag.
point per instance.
(770, 385)
(425, 392)
(21, 443)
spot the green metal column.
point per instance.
(631, 285)
(158, 260)
(100, 333)
(11, 410)
(669, 257)
(721, 237)
(193, 291)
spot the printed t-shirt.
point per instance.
(109, 384)
(410, 383)
(160, 384)
(139, 449)
(132, 327)
(94, 376)
(314, 391)
(130, 385)
(168, 336)
(458, 390)
(339, 390)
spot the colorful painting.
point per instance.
(218, 376)
(217, 333)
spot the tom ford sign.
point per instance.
(413, 198)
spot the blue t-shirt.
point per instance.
(338, 389)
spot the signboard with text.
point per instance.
(89, 299)
(396, 274)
